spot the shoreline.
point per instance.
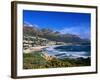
(38, 48)
(42, 49)
(33, 49)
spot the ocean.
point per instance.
(71, 51)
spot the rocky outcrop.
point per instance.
(48, 57)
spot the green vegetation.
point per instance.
(36, 61)
(33, 60)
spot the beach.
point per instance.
(38, 48)
(33, 49)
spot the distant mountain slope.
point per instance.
(52, 35)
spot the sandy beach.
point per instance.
(32, 49)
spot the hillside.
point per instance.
(53, 35)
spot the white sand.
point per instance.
(32, 49)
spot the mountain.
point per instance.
(53, 35)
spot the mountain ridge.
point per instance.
(52, 35)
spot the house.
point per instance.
(30, 41)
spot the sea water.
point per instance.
(71, 51)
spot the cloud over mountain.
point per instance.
(80, 31)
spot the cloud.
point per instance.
(29, 24)
(83, 32)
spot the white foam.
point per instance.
(70, 54)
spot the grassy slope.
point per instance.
(36, 61)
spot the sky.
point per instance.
(64, 22)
